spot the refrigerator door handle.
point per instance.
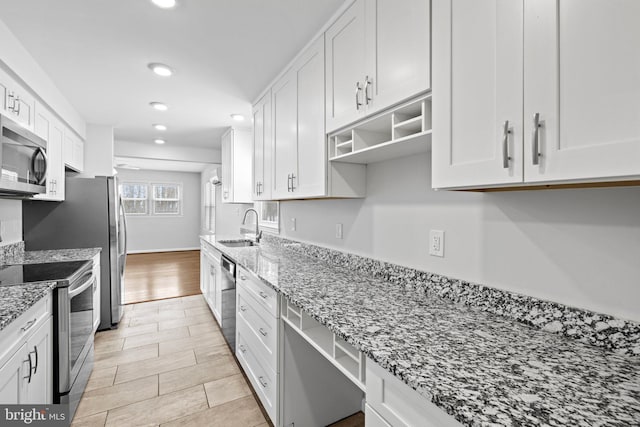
(124, 228)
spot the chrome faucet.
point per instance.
(258, 233)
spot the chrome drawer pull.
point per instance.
(263, 295)
(243, 277)
(243, 308)
(28, 326)
(242, 348)
(263, 382)
(263, 332)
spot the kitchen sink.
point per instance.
(237, 243)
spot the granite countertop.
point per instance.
(482, 368)
(54, 255)
(16, 299)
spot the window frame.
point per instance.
(270, 226)
(146, 199)
(153, 199)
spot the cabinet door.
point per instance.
(242, 152)
(261, 188)
(346, 67)
(40, 350)
(477, 81)
(285, 135)
(227, 167)
(56, 160)
(12, 385)
(310, 179)
(582, 76)
(398, 51)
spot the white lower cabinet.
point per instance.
(257, 338)
(26, 357)
(210, 279)
(393, 403)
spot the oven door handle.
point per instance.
(82, 288)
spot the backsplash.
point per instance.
(618, 335)
(10, 251)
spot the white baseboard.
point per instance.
(150, 251)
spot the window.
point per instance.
(209, 206)
(142, 198)
(269, 213)
(134, 198)
(167, 199)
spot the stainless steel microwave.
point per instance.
(23, 160)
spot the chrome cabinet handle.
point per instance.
(30, 368)
(263, 295)
(11, 102)
(260, 188)
(263, 332)
(28, 325)
(17, 103)
(358, 89)
(263, 382)
(243, 277)
(293, 176)
(35, 351)
(535, 146)
(242, 348)
(367, 83)
(288, 183)
(505, 145)
(243, 308)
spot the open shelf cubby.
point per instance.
(400, 131)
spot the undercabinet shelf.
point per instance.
(401, 131)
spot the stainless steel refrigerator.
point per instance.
(90, 216)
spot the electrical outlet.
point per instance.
(338, 231)
(293, 224)
(436, 243)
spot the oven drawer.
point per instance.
(24, 326)
(263, 326)
(263, 294)
(262, 378)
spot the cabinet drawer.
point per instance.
(373, 419)
(400, 405)
(263, 328)
(24, 326)
(262, 379)
(263, 294)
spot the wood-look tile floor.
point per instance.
(167, 365)
(154, 276)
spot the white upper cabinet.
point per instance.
(16, 103)
(535, 91)
(262, 148)
(73, 151)
(377, 55)
(477, 92)
(582, 76)
(47, 127)
(236, 166)
(299, 149)
(346, 67)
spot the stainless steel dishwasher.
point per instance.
(228, 301)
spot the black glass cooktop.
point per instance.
(51, 271)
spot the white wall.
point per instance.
(151, 233)
(166, 152)
(579, 247)
(98, 151)
(10, 221)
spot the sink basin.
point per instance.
(237, 243)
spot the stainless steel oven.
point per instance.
(73, 336)
(23, 160)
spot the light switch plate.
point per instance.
(338, 231)
(436, 243)
(293, 224)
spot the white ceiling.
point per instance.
(224, 52)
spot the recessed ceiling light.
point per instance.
(159, 141)
(159, 106)
(160, 127)
(160, 69)
(164, 4)
(237, 117)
